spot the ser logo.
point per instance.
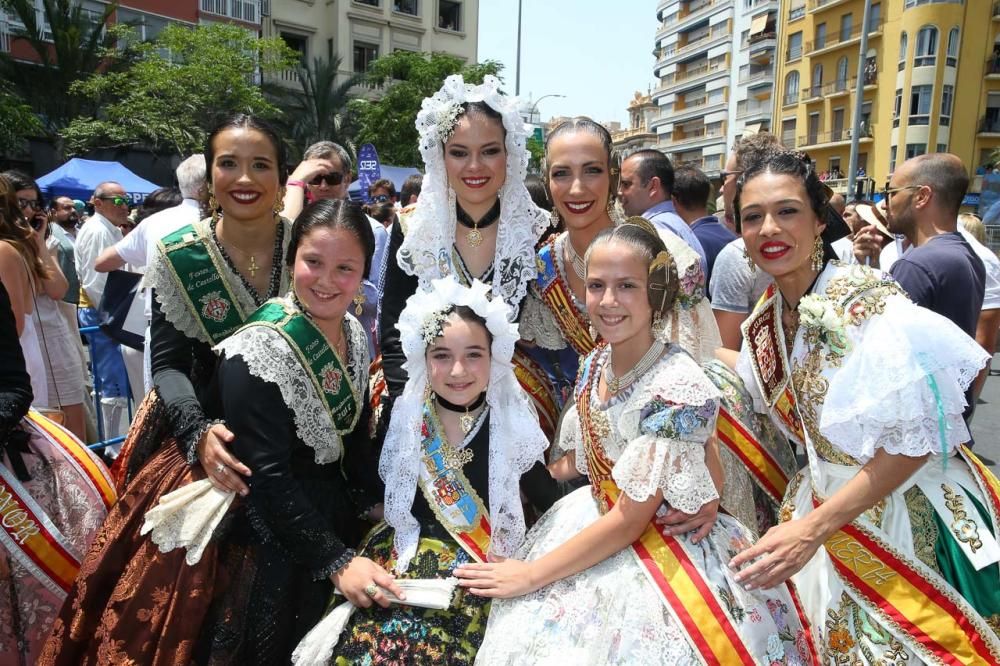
(367, 165)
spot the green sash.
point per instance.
(326, 369)
(196, 269)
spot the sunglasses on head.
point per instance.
(332, 178)
(115, 199)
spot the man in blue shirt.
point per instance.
(645, 188)
(691, 191)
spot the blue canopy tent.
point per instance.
(78, 178)
(396, 174)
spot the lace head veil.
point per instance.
(516, 439)
(427, 249)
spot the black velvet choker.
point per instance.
(452, 407)
(492, 215)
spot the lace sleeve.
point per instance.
(538, 325)
(669, 455)
(900, 389)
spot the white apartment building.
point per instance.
(359, 31)
(715, 63)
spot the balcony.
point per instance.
(672, 81)
(698, 108)
(818, 5)
(790, 99)
(680, 137)
(796, 13)
(246, 11)
(695, 10)
(834, 136)
(812, 93)
(753, 109)
(838, 39)
(755, 77)
(990, 124)
(993, 67)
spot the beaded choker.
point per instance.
(475, 236)
(467, 419)
(616, 384)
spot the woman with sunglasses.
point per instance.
(206, 280)
(889, 534)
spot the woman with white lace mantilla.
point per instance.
(598, 580)
(889, 534)
(474, 219)
(462, 447)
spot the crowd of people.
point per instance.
(596, 417)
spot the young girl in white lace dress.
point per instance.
(598, 581)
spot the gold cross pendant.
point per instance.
(253, 267)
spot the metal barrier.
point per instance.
(102, 443)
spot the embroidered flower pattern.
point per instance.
(672, 421)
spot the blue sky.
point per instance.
(596, 52)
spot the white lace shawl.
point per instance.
(173, 298)
(269, 357)
(516, 439)
(426, 249)
(645, 459)
(900, 386)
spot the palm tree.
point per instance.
(318, 110)
(69, 47)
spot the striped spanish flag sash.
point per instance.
(537, 385)
(764, 337)
(910, 598)
(684, 591)
(764, 469)
(556, 295)
(27, 533)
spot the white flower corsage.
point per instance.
(447, 118)
(821, 318)
(432, 325)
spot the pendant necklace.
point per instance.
(474, 236)
(616, 384)
(468, 417)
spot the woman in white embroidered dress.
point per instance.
(888, 534)
(580, 592)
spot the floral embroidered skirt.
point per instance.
(131, 603)
(611, 614)
(406, 635)
(27, 607)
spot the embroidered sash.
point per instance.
(763, 334)
(26, 532)
(325, 369)
(558, 297)
(685, 592)
(455, 503)
(764, 469)
(195, 266)
(537, 385)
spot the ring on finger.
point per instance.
(220, 469)
(371, 589)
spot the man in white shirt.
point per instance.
(100, 231)
(138, 247)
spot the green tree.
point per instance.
(17, 121)
(390, 122)
(70, 52)
(536, 149)
(318, 110)
(168, 93)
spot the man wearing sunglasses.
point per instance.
(101, 231)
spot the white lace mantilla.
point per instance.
(657, 433)
(269, 357)
(426, 249)
(173, 298)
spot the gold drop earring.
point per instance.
(359, 300)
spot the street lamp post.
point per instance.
(534, 107)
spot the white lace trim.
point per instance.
(900, 383)
(187, 518)
(644, 462)
(426, 249)
(538, 324)
(173, 298)
(259, 345)
(516, 439)
(691, 323)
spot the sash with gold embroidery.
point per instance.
(26, 532)
(556, 295)
(325, 369)
(197, 269)
(764, 336)
(922, 610)
(687, 595)
(536, 383)
(455, 503)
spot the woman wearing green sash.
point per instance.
(463, 445)
(206, 280)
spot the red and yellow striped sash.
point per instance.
(476, 541)
(536, 384)
(557, 297)
(27, 533)
(931, 617)
(758, 461)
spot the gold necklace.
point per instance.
(453, 458)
